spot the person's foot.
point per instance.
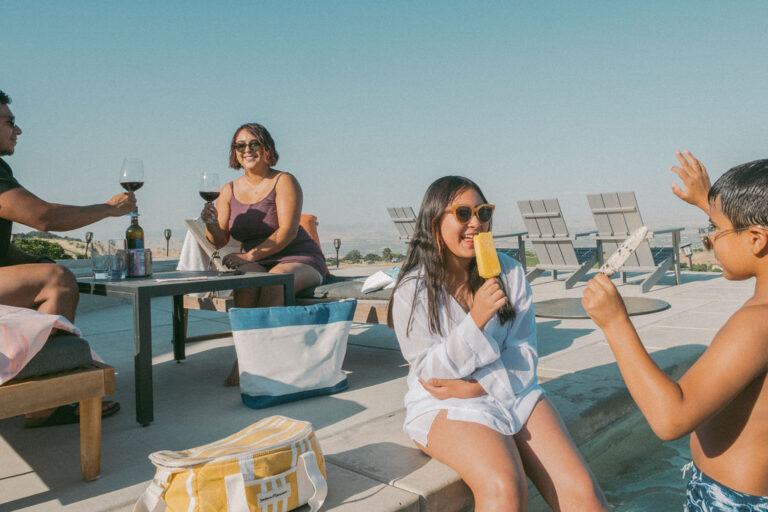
(65, 415)
(233, 379)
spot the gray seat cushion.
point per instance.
(342, 288)
(60, 353)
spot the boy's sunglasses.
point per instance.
(710, 234)
(464, 213)
(240, 146)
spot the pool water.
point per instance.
(636, 470)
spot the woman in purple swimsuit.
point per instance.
(261, 210)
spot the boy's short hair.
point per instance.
(743, 193)
(4, 99)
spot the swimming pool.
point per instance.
(637, 471)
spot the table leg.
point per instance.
(142, 359)
(289, 296)
(178, 328)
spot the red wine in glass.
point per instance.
(209, 186)
(209, 196)
(131, 186)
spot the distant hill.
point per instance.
(45, 235)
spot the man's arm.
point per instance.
(737, 355)
(20, 205)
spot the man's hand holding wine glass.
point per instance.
(123, 203)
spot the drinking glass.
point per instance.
(209, 186)
(99, 261)
(118, 259)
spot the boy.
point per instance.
(722, 400)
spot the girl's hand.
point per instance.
(234, 260)
(453, 388)
(695, 179)
(210, 215)
(489, 298)
(602, 301)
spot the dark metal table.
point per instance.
(570, 307)
(141, 291)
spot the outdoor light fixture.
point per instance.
(167, 235)
(88, 239)
(337, 244)
(688, 251)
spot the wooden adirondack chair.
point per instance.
(405, 221)
(553, 243)
(616, 216)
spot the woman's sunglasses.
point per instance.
(240, 146)
(464, 213)
(710, 234)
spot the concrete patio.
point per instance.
(372, 466)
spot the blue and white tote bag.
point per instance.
(290, 353)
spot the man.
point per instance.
(37, 283)
(24, 280)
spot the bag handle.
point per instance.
(235, 485)
(150, 500)
(316, 477)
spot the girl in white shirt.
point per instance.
(473, 400)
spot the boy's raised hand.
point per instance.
(695, 179)
(602, 301)
(489, 298)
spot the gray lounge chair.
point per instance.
(405, 222)
(553, 243)
(616, 216)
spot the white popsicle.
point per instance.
(625, 250)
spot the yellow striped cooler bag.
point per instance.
(275, 465)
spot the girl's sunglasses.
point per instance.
(464, 213)
(240, 146)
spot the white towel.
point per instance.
(193, 257)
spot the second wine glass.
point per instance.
(209, 186)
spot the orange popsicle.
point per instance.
(487, 259)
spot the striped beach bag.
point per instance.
(275, 465)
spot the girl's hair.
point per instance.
(426, 253)
(743, 193)
(264, 139)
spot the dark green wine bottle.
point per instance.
(134, 235)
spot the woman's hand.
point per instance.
(453, 388)
(210, 215)
(695, 179)
(234, 259)
(124, 202)
(602, 302)
(489, 298)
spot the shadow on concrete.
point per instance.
(553, 339)
(367, 460)
(192, 408)
(592, 399)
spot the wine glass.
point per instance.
(209, 186)
(132, 175)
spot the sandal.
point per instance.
(68, 414)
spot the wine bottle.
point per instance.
(134, 235)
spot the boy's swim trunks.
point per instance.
(707, 495)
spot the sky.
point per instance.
(371, 101)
